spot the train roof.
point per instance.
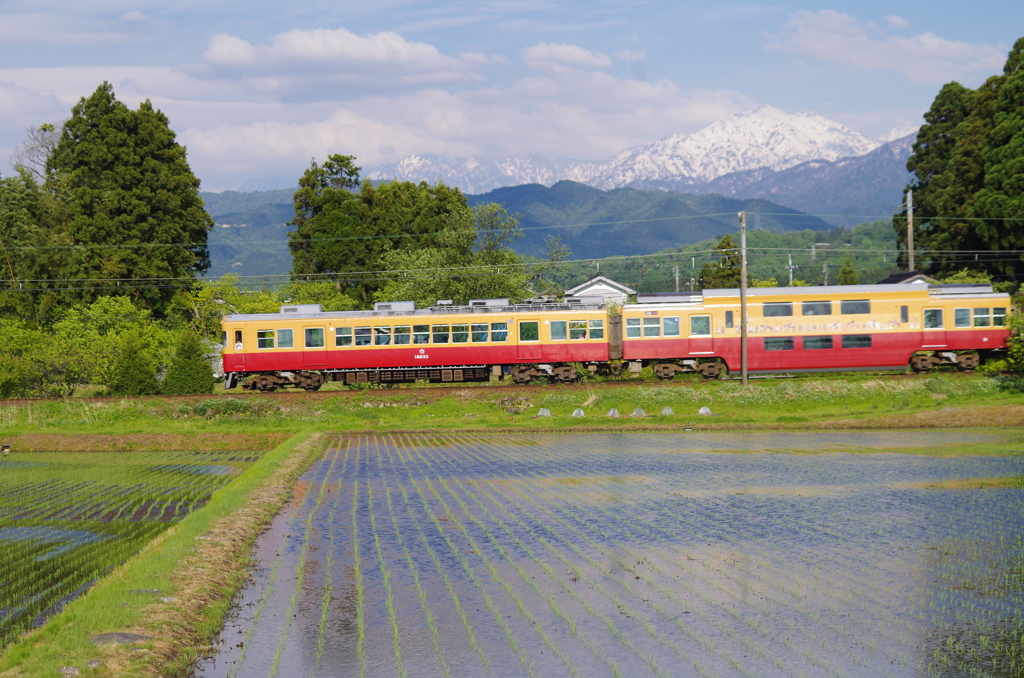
(932, 290)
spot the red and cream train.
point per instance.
(791, 329)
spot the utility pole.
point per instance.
(910, 231)
(743, 297)
(675, 272)
(824, 269)
(812, 251)
(791, 268)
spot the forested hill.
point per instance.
(595, 223)
(251, 237)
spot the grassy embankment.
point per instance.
(890, 401)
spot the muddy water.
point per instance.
(769, 554)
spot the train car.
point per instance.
(792, 329)
(396, 342)
(813, 329)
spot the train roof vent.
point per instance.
(961, 288)
(488, 302)
(302, 309)
(445, 302)
(395, 306)
(665, 297)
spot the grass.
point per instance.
(849, 402)
(199, 575)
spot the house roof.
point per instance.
(601, 280)
(905, 277)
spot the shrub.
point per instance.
(189, 371)
(133, 371)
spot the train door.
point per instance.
(934, 328)
(701, 340)
(529, 341)
(239, 350)
(314, 348)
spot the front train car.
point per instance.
(814, 329)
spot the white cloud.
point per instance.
(22, 107)
(840, 39)
(896, 21)
(134, 17)
(560, 56)
(631, 56)
(38, 28)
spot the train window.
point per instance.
(933, 318)
(672, 326)
(529, 330)
(857, 341)
(597, 329)
(652, 327)
(264, 338)
(904, 314)
(421, 334)
(998, 317)
(223, 338)
(382, 336)
(479, 333)
(364, 336)
(816, 308)
(981, 317)
(700, 326)
(577, 329)
(558, 330)
(962, 317)
(632, 327)
(342, 336)
(499, 331)
(777, 309)
(814, 343)
(285, 339)
(238, 340)
(314, 337)
(460, 334)
(855, 307)
(728, 319)
(402, 335)
(441, 334)
(778, 343)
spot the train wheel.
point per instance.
(710, 370)
(664, 372)
(309, 381)
(565, 374)
(521, 374)
(967, 362)
(922, 364)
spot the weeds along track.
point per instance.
(466, 554)
(68, 519)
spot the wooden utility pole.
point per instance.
(743, 297)
(910, 231)
(675, 272)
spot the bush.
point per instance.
(133, 371)
(190, 371)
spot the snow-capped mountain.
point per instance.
(763, 137)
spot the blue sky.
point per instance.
(256, 89)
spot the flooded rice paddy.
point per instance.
(718, 554)
(67, 519)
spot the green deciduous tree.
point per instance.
(471, 259)
(133, 204)
(190, 370)
(725, 272)
(341, 232)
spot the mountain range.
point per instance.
(800, 160)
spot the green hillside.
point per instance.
(596, 223)
(250, 238)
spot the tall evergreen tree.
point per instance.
(133, 371)
(847, 273)
(189, 371)
(725, 272)
(133, 203)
